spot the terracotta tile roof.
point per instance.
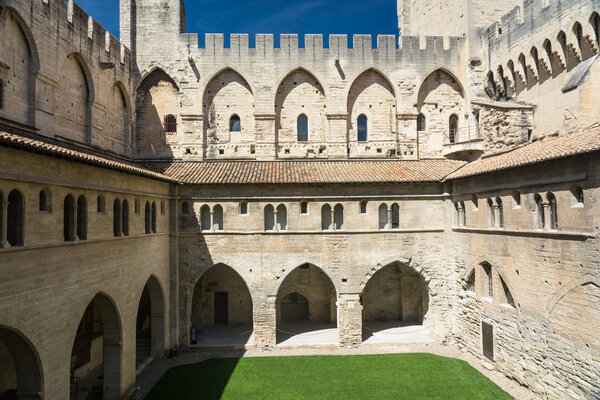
(64, 152)
(302, 172)
(551, 149)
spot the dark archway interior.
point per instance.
(143, 328)
(19, 367)
(395, 296)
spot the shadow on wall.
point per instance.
(210, 378)
(157, 116)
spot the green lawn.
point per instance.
(373, 377)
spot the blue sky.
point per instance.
(271, 16)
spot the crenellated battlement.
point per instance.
(540, 24)
(289, 44)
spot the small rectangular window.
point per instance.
(1, 94)
(487, 337)
(304, 207)
(244, 208)
(363, 207)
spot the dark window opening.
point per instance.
(170, 123)
(304, 207)
(43, 201)
(100, 204)
(117, 218)
(1, 94)
(421, 123)
(500, 212)
(82, 218)
(363, 129)
(539, 210)
(153, 217)
(15, 219)
(235, 124)
(244, 208)
(147, 218)
(69, 219)
(578, 194)
(125, 219)
(363, 207)
(453, 128)
(302, 128)
(553, 212)
(487, 336)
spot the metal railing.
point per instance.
(463, 134)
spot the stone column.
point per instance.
(389, 218)
(333, 227)
(547, 223)
(3, 239)
(212, 227)
(265, 324)
(349, 319)
(496, 216)
(275, 227)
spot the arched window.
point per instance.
(269, 218)
(82, 218)
(578, 31)
(363, 207)
(100, 204)
(117, 219)
(205, 220)
(326, 217)
(539, 212)
(147, 218)
(487, 268)
(338, 217)
(595, 21)
(383, 216)
(363, 130)
(453, 128)
(244, 208)
(464, 214)
(491, 216)
(125, 214)
(421, 123)
(218, 218)
(516, 195)
(562, 39)
(185, 208)
(552, 211)
(302, 127)
(44, 201)
(500, 212)
(15, 219)
(281, 218)
(137, 206)
(170, 123)
(577, 192)
(304, 207)
(69, 219)
(395, 216)
(507, 294)
(235, 124)
(153, 217)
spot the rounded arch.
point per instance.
(447, 71)
(111, 332)
(151, 317)
(226, 68)
(300, 92)
(219, 296)
(281, 78)
(289, 271)
(27, 367)
(466, 275)
(151, 69)
(34, 59)
(366, 70)
(391, 260)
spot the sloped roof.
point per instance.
(303, 172)
(550, 149)
(79, 155)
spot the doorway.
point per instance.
(221, 308)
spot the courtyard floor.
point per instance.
(383, 376)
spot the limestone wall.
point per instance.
(546, 271)
(64, 75)
(47, 284)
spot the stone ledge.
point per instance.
(567, 235)
(319, 232)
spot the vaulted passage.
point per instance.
(221, 309)
(20, 374)
(395, 302)
(150, 323)
(96, 358)
(306, 307)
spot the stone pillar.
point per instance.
(275, 227)
(212, 227)
(547, 223)
(265, 324)
(389, 218)
(349, 319)
(333, 227)
(3, 239)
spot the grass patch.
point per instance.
(387, 376)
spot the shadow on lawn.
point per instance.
(205, 380)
